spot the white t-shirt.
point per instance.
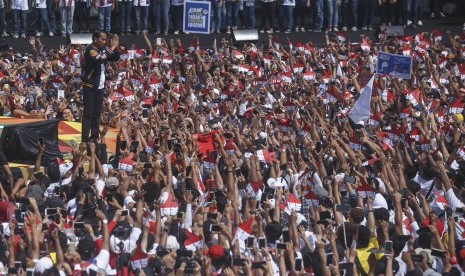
(41, 4)
(65, 3)
(141, 3)
(104, 3)
(20, 5)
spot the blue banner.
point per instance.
(197, 17)
(398, 66)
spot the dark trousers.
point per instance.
(82, 14)
(93, 102)
(268, 13)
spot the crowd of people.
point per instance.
(64, 17)
(239, 159)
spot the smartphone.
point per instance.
(124, 145)
(349, 179)
(145, 113)
(30, 272)
(133, 147)
(158, 41)
(456, 218)
(249, 242)
(258, 265)
(72, 247)
(41, 141)
(212, 216)
(347, 266)
(215, 228)
(238, 262)
(56, 191)
(318, 146)
(343, 208)
(19, 216)
(261, 242)
(286, 237)
(78, 225)
(51, 211)
(417, 258)
(298, 264)
(180, 215)
(184, 253)
(124, 213)
(238, 172)
(18, 265)
(214, 154)
(280, 245)
(437, 253)
(388, 247)
(403, 202)
(329, 258)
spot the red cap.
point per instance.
(215, 251)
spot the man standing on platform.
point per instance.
(96, 56)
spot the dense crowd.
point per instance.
(64, 17)
(242, 160)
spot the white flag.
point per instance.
(360, 112)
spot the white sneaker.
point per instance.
(344, 29)
(269, 31)
(364, 28)
(15, 36)
(420, 23)
(432, 15)
(228, 30)
(176, 32)
(51, 34)
(39, 34)
(335, 29)
(441, 14)
(296, 29)
(302, 29)
(4, 34)
(354, 29)
(23, 36)
(186, 32)
(409, 22)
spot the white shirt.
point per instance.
(288, 3)
(104, 3)
(41, 4)
(20, 5)
(65, 3)
(141, 3)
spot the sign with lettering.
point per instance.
(399, 66)
(197, 17)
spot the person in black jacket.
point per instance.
(96, 56)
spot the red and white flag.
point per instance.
(192, 241)
(266, 156)
(292, 204)
(365, 190)
(244, 230)
(170, 207)
(126, 163)
(457, 106)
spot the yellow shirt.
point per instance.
(364, 253)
